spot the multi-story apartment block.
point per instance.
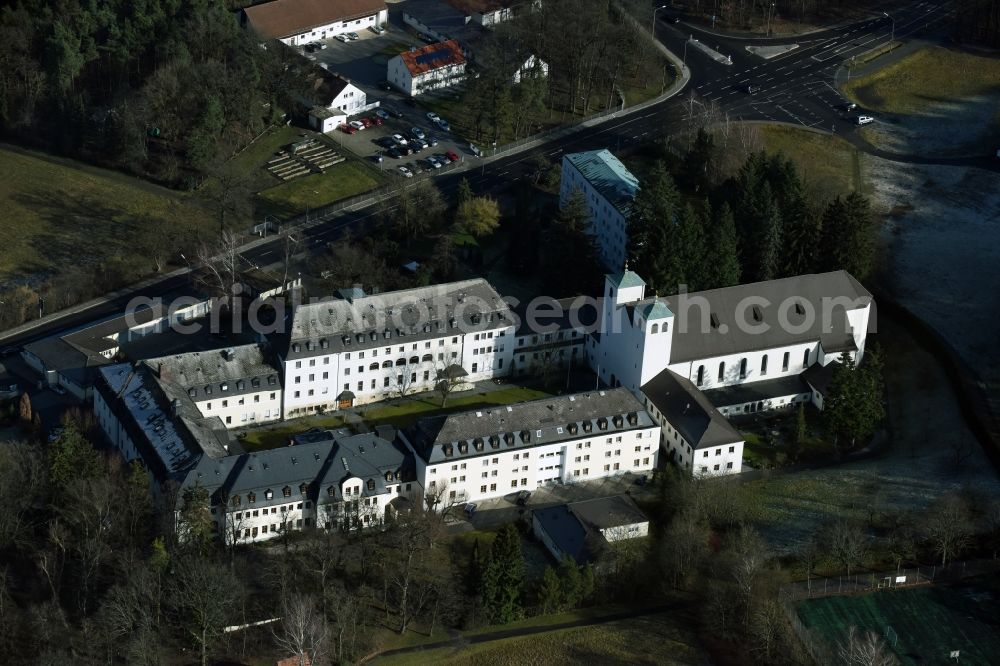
(360, 350)
(491, 452)
(609, 189)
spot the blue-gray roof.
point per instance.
(626, 279)
(655, 309)
(607, 175)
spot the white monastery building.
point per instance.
(491, 452)
(359, 350)
(697, 358)
(297, 22)
(609, 189)
(432, 67)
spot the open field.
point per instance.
(58, 212)
(934, 101)
(652, 639)
(927, 623)
(828, 164)
(297, 196)
(913, 471)
(399, 414)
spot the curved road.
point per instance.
(794, 86)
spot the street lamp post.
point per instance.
(770, 13)
(684, 60)
(892, 33)
(652, 28)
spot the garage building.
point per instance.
(297, 22)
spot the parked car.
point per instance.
(393, 111)
(474, 150)
(382, 113)
(431, 140)
(418, 144)
(443, 159)
(452, 155)
(309, 48)
(432, 162)
(433, 117)
(864, 120)
(377, 119)
(416, 133)
(367, 122)
(347, 129)
(399, 139)
(443, 124)
(352, 36)
(406, 173)
(343, 38)
(470, 509)
(357, 124)
(377, 29)
(522, 498)
(385, 142)
(319, 46)
(394, 153)
(377, 158)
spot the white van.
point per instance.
(864, 120)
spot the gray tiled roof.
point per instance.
(575, 527)
(483, 431)
(397, 317)
(203, 374)
(691, 343)
(739, 394)
(689, 411)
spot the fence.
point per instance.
(820, 649)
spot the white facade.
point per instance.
(407, 71)
(243, 409)
(350, 100)
(532, 67)
(607, 187)
(325, 121)
(330, 30)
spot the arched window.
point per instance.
(414, 360)
(701, 375)
(722, 370)
(655, 328)
(763, 364)
(743, 368)
(805, 358)
(400, 362)
(373, 366)
(386, 364)
(427, 358)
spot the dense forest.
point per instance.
(165, 89)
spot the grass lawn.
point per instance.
(401, 413)
(253, 160)
(58, 212)
(923, 77)
(652, 639)
(829, 165)
(926, 623)
(309, 192)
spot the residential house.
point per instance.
(432, 67)
(296, 22)
(491, 452)
(608, 188)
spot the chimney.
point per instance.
(175, 406)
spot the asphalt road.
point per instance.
(796, 87)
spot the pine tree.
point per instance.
(849, 235)
(724, 259)
(570, 249)
(464, 192)
(699, 163)
(690, 248)
(653, 230)
(799, 223)
(853, 406)
(503, 577)
(570, 581)
(550, 591)
(769, 240)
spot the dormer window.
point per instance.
(295, 347)
(192, 392)
(208, 390)
(286, 491)
(240, 385)
(371, 484)
(235, 500)
(332, 491)
(268, 494)
(251, 497)
(223, 386)
(303, 487)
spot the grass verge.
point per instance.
(400, 414)
(829, 165)
(652, 639)
(58, 213)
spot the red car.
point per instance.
(452, 155)
(347, 129)
(375, 120)
(367, 122)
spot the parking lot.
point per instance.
(364, 61)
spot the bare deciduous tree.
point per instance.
(205, 595)
(948, 526)
(304, 632)
(217, 266)
(847, 542)
(864, 649)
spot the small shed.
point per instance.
(324, 120)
